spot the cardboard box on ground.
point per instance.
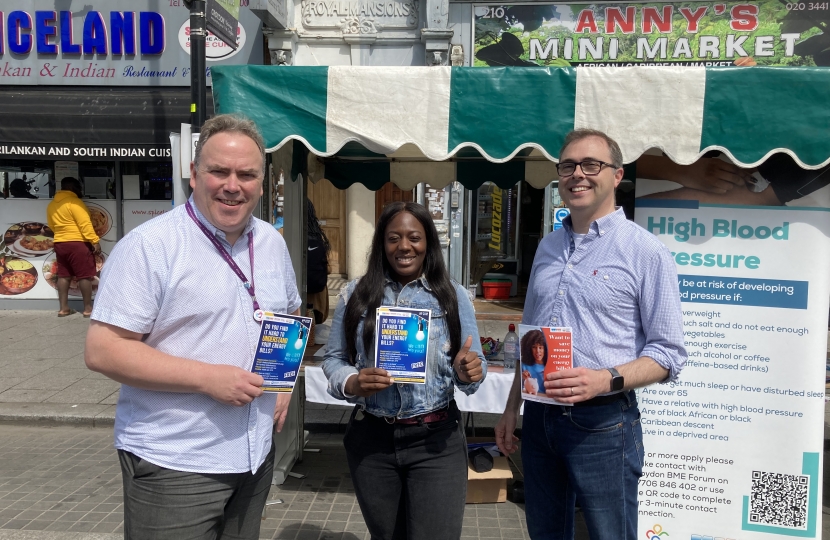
(491, 486)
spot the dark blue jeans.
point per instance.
(410, 480)
(594, 454)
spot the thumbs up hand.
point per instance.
(467, 364)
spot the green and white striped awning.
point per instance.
(747, 113)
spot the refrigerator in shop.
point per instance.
(555, 210)
(443, 205)
(493, 225)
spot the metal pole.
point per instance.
(119, 202)
(197, 65)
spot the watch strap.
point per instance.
(617, 380)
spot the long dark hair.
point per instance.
(368, 295)
(534, 337)
(314, 229)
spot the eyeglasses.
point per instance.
(590, 167)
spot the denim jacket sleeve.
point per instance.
(469, 327)
(336, 364)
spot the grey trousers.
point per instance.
(163, 504)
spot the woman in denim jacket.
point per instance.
(405, 443)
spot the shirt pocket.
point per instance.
(438, 332)
(604, 292)
(270, 292)
(440, 362)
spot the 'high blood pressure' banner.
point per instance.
(734, 447)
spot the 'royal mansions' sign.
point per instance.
(353, 17)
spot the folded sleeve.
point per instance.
(336, 365)
(469, 327)
(132, 287)
(662, 315)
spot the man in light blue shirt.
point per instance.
(174, 323)
(615, 285)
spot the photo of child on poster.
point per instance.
(534, 355)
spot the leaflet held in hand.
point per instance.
(282, 343)
(543, 350)
(402, 343)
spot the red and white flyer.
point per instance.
(543, 350)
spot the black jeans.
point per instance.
(164, 504)
(410, 480)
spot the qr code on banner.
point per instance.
(779, 499)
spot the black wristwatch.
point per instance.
(617, 380)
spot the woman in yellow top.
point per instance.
(75, 244)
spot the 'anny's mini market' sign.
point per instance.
(766, 32)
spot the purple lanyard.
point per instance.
(249, 285)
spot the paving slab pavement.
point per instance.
(43, 378)
(64, 482)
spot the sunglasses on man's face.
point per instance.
(590, 167)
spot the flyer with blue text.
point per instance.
(402, 343)
(734, 447)
(282, 343)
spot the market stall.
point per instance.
(490, 397)
(752, 271)
(379, 126)
(747, 113)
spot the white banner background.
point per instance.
(751, 398)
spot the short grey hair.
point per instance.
(580, 134)
(229, 123)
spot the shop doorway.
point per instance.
(531, 230)
(330, 205)
(390, 193)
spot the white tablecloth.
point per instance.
(490, 398)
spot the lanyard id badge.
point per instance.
(249, 285)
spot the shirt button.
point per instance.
(570, 266)
(605, 277)
(554, 319)
(561, 292)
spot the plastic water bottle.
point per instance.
(511, 347)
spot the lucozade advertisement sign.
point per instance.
(734, 447)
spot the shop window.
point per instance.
(151, 181)
(276, 195)
(26, 179)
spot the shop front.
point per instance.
(752, 261)
(538, 34)
(93, 92)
